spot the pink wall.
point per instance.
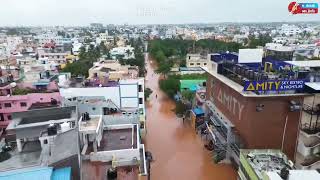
(52, 85)
(29, 99)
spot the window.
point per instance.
(204, 64)
(204, 84)
(93, 108)
(140, 88)
(140, 101)
(198, 64)
(7, 105)
(9, 117)
(41, 99)
(189, 57)
(23, 104)
(191, 64)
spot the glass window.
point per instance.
(7, 105)
(23, 104)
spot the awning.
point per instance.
(313, 85)
(198, 111)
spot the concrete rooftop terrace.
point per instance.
(33, 155)
(116, 139)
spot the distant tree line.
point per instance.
(261, 40)
(173, 51)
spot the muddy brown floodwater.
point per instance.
(177, 151)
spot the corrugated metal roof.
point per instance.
(43, 173)
(61, 174)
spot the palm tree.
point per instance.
(128, 52)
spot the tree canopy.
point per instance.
(85, 62)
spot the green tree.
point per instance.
(170, 85)
(82, 53)
(61, 33)
(147, 93)
(164, 68)
(261, 40)
(103, 48)
(188, 95)
(128, 52)
(181, 108)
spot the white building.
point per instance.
(76, 47)
(126, 52)
(280, 40)
(12, 43)
(127, 97)
(290, 30)
(47, 38)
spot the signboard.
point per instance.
(303, 8)
(274, 85)
(250, 55)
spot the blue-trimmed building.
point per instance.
(38, 173)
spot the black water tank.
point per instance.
(87, 116)
(54, 101)
(284, 173)
(52, 130)
(112, 174)
(47, 74)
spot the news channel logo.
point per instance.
(303, 8)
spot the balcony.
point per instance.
(310, 119)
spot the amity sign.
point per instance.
(281, 85)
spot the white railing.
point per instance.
(119, 119)
(119, 155)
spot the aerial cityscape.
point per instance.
(155, 97)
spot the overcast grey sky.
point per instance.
(83, 12)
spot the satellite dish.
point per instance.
(13, 84)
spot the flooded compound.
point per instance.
(178, 152)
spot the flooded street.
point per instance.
(177, 151)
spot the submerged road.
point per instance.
(178, 153)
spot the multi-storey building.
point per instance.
(39, 145)
(19, 103)
(106, 70)
(124, 98)
(251, 108)
(197, 60)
